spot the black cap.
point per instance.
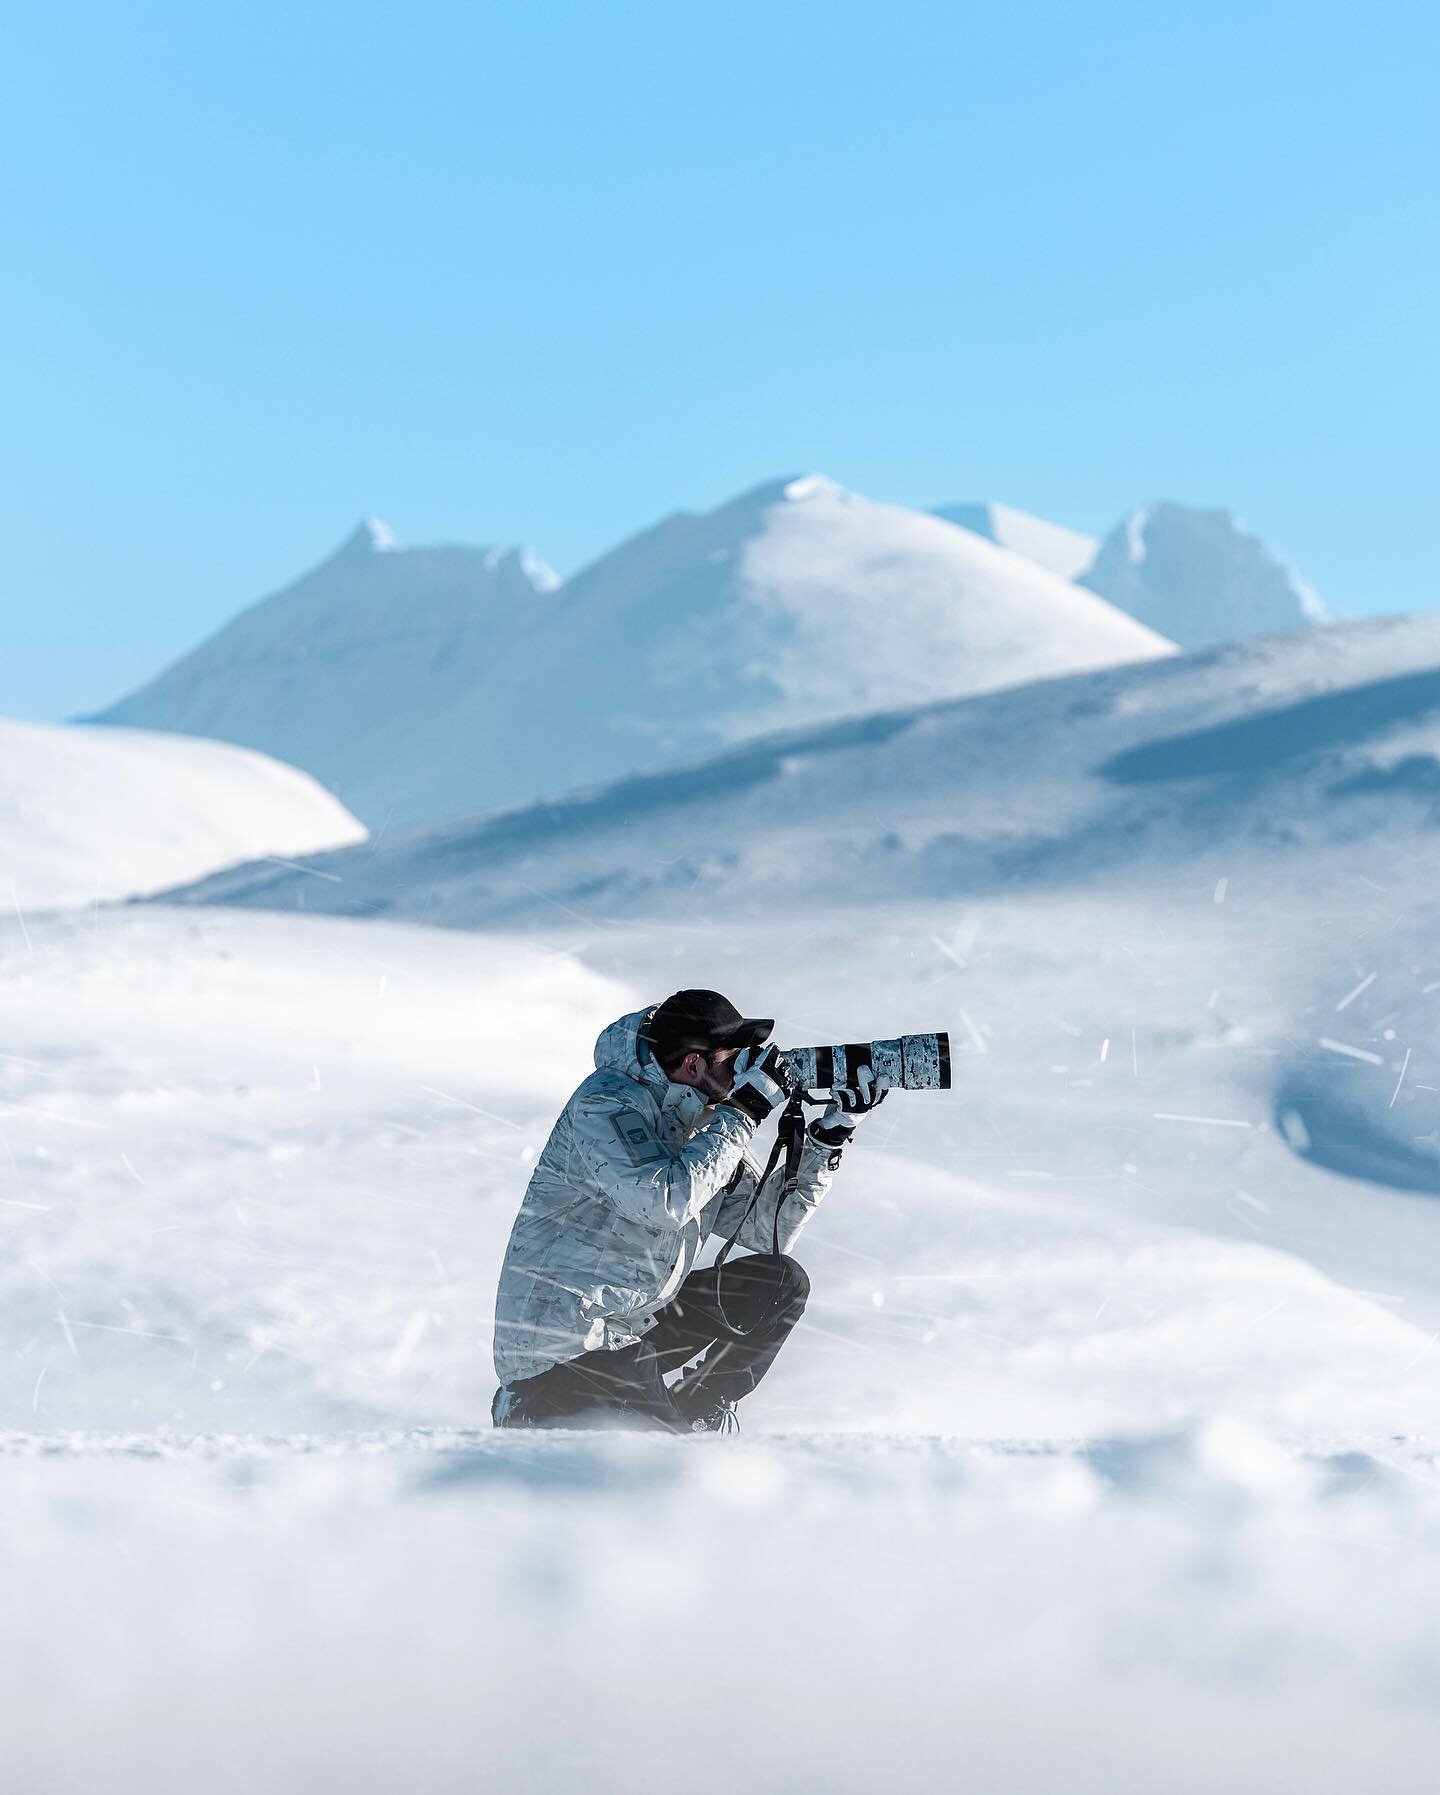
(703, 1021)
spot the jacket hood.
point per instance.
(618, 1049)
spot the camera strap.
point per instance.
(789, 1140)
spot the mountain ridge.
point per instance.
(794, 600)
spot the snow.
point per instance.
(428, 683)
(1064, 552)
(366, 672)
(1102, 1450)
(1105, 1457)
(1183, 1613)
(1199, 577)
(1188, 767)
(92, 814)
(542, 577)
(1135, 526)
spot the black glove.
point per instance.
(763, 1086)
(859, 1100)
(835, 1126)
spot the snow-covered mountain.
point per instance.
(1066, 553)
(1193, 575)
(797, 602)
(1064, 1372)
(366, 672)
(1198, 577)
(1301, 741)
(91, 814)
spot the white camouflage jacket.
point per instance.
(631, 1182)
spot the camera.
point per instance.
(910, 1063)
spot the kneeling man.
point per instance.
(599, 1297)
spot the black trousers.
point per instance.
(738, 1316)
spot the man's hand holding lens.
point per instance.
(763, 1084)
(835, 1126)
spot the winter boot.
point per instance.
(704, 1413)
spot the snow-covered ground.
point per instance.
(91, 814)
(1105, 1457)
(287, 1151)
(1193, 1614)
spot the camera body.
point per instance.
(909, 1063)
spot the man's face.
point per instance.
(712, 1073)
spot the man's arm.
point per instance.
(638, 1172)
(825, 1139)
(817, 1165)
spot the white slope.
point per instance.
(797, 602)
(1098, 1339)
(89, 814)
(1212, 851)
(342, 672)
(1228, 757)
(1199, 577)
(257, 1172)
(1066, 553)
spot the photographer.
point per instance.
(598, 1297)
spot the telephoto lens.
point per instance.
(911, 1063)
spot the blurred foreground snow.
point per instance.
(1187, 1613)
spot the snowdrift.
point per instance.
(92, 814)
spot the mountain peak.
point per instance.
(371, 536)
(1197, 575)
(811, 486)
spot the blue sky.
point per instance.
(544, 274)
